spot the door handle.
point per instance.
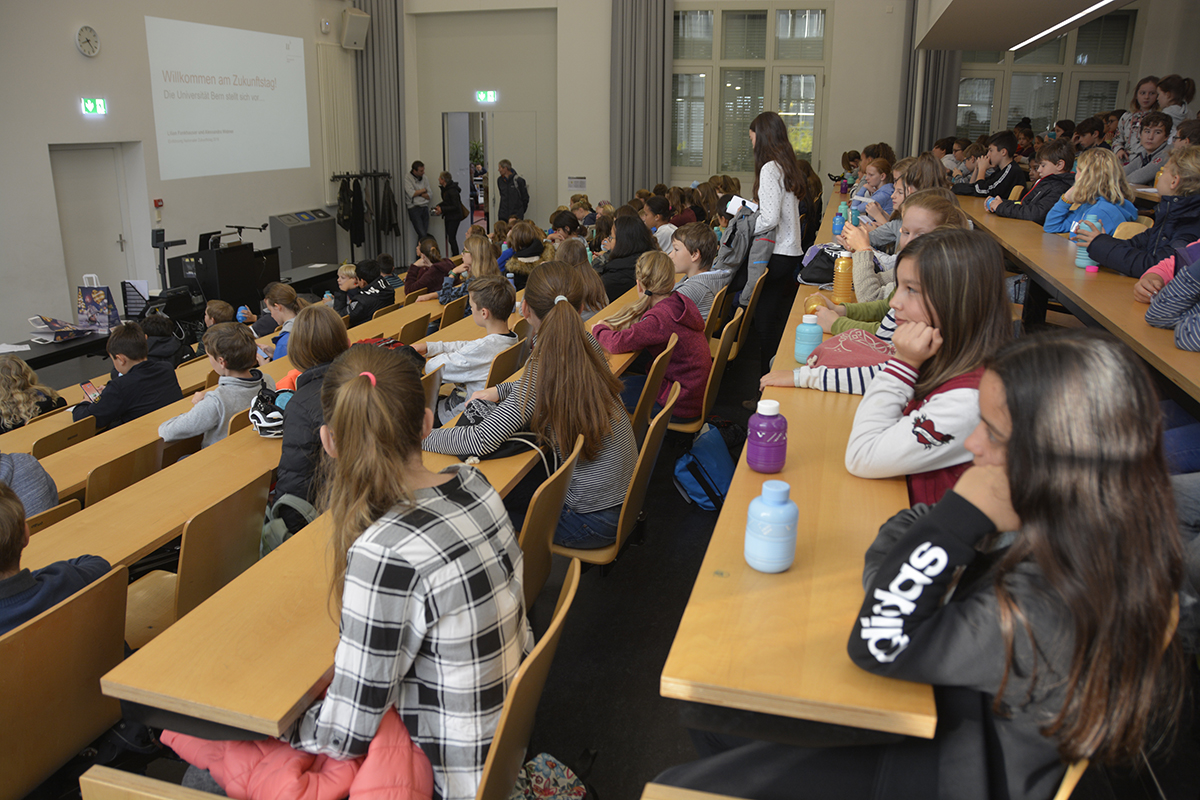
(121, 241)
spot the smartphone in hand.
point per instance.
(90, 391)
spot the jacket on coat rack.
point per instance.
(343, 212)
(388, 220)
(358, 232)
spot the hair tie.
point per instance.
(647, 292)
(562, 298)
(369, 375)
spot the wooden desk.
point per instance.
(1103, 298)
(1147, 193)
(136, 521)
(21, 440)
(776, 644)
(257, 653)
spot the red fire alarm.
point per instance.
(158, 203)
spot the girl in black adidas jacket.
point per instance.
(1049, 644)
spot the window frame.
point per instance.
(771, 67)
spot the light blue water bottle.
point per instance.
(839, 222)
(512, 279)
(1082, 259)
(854, 216)
(243, 313)
(808, 336)
(771, 528)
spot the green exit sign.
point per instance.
(485, 97)
(94, 105)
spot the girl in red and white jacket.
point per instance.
(952, 313)
(648, 324)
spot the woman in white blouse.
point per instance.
(779, 186)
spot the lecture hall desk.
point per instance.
(1103, 298)
(776, 644)
(256, 654)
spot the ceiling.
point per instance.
(992, 25)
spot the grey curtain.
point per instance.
(640, 123)
(381, 116)
(935, 92)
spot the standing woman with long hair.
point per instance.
(779, 186)
(566, 389)
(1040, 597)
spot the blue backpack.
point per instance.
(703, 474)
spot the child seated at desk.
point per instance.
(1176, 221)
(966, 168)
(25, 594)
(874, 187)
(1039, 598)
(1100, 188)
(478, 261)
(649, 323)
(140, 387)
(427, 572)
(574, 252)
(465, 365)
(693, 248)
(215, 311)
(1001, 149)
(952, 312)
(1156, 148)
(368, 294)
(387, 272)
(231, 354)
(1054, 162)
(22, 397)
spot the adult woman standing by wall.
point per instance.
(779, 186)
(450, 210)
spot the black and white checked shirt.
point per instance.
(433, 623)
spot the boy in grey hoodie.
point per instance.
(231, 353)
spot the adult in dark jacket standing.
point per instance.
(632, 239)
(1055, 178)
(318, 337)
(1176, 221)
(450, 210)
(514, 194)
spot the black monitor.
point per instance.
(210, 241)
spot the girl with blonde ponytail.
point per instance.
(648, 324)
(427, 574)
(566, 390)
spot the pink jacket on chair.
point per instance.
(393, 769)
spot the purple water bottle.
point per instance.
(766, 442)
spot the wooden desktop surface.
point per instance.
(1105, 296)
(776, 644)
(257, 653)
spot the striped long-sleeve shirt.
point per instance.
(845, 380)
(1178, 306)
(595, 485)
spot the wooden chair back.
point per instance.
(64, 437)
(541, 520)
(220, 543)
(635, 495)
(409, 299)
(431, 382)
(346, 321)
(210, 382)
(640, 418)
(51, 412)
(1147, 222)
(414, 330)
(239, 421)
(106, 783)
(50, 692)
(714, 313)
(1128, 230)
(751, 307)
(1016, 193)
(122, 472)
(387, 310)
(728, 335)
(506, 362)
(453, 312)
(39, 522)
(506, 756)
(524, 332)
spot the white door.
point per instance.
(95, 234)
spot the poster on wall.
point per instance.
(226, 100)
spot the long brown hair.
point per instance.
(574, 252)
(656, 271)
(924, 172)
(376, 427)
(1133, 103)
(771, 144)
(20, 391)
(280, 294)
(483, 257)
(1090, 485)
(575, 389)
(318, 337)
(962, 284)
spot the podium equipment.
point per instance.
(235, 274)
(304, 237)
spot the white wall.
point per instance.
(1169, 43)
(45, 76)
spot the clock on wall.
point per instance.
(88, 41)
